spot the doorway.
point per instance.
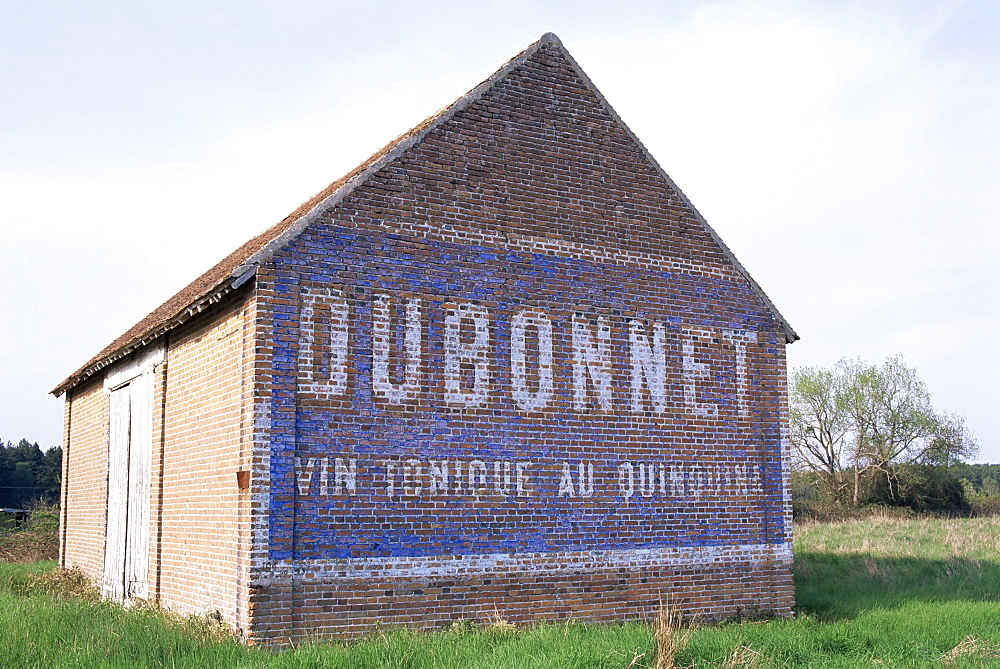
(130, 447)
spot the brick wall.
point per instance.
(199, 553)
(85, 478)
(202, 430)
(512, 372)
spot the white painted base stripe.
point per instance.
(498, 564)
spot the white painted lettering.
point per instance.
(566, 482)
(383, 386)
(324, 478)
(390, 477)
(741, 340)
(323, 339)
(525, 398)
(411, 477)
(458, 477)
(477, 477)
(585, 480)
(591, 363)
(626, 479)
(416, 477)
(345, 476)
(714, 364)
(437, 472)
(305, 468)
(693, 373)
(463, 358)
(678, 482)
(523, 477)
(649, 366)
(503, 477)
(646, 482)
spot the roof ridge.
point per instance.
(237, 267)
(335, 192)
(790, 334)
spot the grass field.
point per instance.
(871, 593)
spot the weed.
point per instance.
(463, 627)
(669, 635)
(500, 628)
(207, 628)
(634, 662)
(37, 539)
(970, 648)
(61, 584)
(742, 657)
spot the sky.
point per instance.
(847, 152)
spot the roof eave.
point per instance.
(182, 316)
(786, 328)
(247, 268)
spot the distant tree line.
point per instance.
(867, 434)
(981, 485)
(980, 479)
(28, 474)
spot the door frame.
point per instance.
(130, 388)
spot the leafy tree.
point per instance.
(869, 429)
(952, 442)
(48, 475)
(890, 411)
(28, 474)
(981, 478)
(924, 488)
(989, 487)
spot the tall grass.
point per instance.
(40, 628)
(871, 593)
(843, 569)
(670, 636)
(920, 592)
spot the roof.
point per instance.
(239, 266)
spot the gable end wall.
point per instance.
(530, 203)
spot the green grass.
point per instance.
(879, 592)
(871, 593)
(845, 569)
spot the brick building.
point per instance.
(502, 366)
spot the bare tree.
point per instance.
(820, 426)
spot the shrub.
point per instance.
(37, 539)
(57, 583)
(921, 488)
(985, 507)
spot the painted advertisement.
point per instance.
(435, 399)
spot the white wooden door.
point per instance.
(118, 451)
(126, 548)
